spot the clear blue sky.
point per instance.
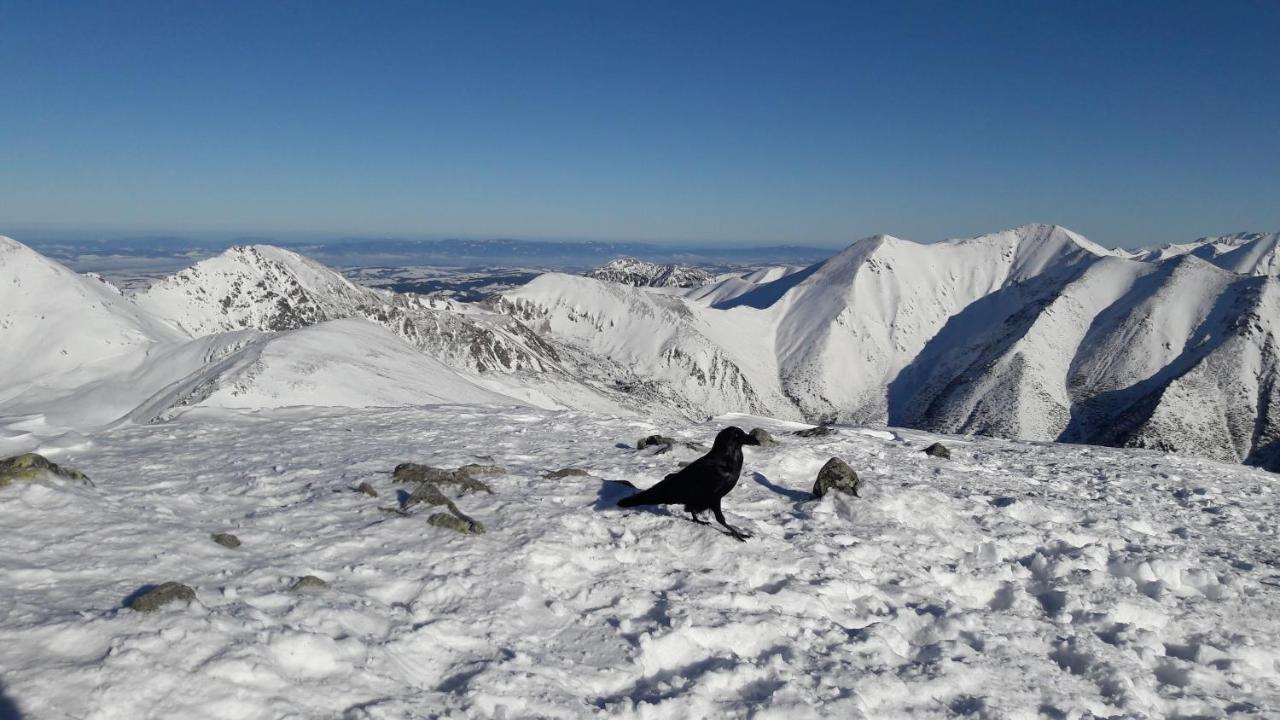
(737, 122)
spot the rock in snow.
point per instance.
(938, 450)
(457, 523)
(763, 437)
(306, 583)
(836, 475)
(654, 441)
(30, 467)
(226, 540)
(813, 432)
(161, 595)
(463, 477)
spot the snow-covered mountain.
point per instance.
(639, 273)
(1033, 333)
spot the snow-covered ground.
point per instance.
(1014, 580)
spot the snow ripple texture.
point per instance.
(1015, 580)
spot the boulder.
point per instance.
(819, 431)
(308, 582)
(763, 437)
(836, 475)
(458, 523)
(161, 595)
(29, 467)
(226, 540)
(938, 450)
(367, 489)
(463, 477)
(566, 472)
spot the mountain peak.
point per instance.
(641, 273)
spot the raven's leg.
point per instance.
(694, 517)
(737, 534)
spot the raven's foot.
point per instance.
(737, 534)
(694, 517)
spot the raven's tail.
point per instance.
(644, 497)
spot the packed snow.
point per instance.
(1013, 580)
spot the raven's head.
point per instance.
(733, 436)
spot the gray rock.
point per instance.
(836, 475)
(226, 540)
(367, 489)
(819, 431)
(29, 467)
(566, 472)
(463, 477)
(763, 437)
(459, 523)
(473, 469)
(161, 595)
(653, 440)
(308, 582)
(938, 450)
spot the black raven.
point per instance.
(701, 484)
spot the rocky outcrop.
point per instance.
(464, 477)
(31, 467)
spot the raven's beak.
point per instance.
(750, 441)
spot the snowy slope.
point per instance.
(727, 287)
(87, 357)
(54, 321)
(1015, 580)
(270, 289)
(705, 360)
(346, 363)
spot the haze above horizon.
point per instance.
(712, 123)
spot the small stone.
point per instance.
(836, 475)
(819, 431)
(464, 525)
(763, 437)
(566, 472)
(367, 489)
(31, 466)
(226, 540)
(308, 582)
(161, 595)
(938, 450)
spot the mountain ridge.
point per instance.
(1033, 332)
